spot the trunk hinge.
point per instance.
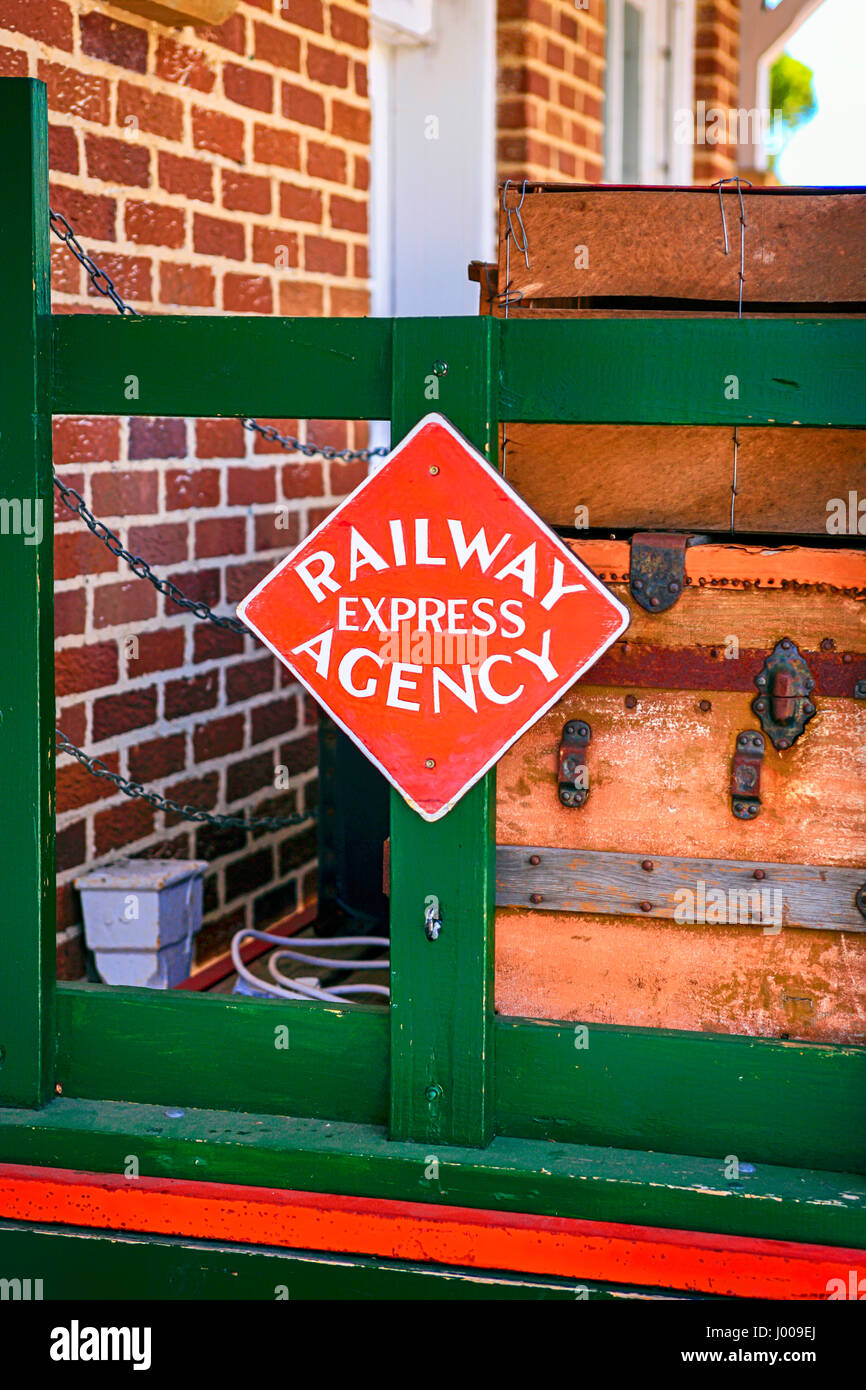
(657, 574)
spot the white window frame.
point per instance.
(667, 86)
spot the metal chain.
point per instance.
(296, 446)
(163, 803)
(76, 503)
(104, 285)
(98, 278)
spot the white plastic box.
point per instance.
(140, 917)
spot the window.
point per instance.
(650, 47)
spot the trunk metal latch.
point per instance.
(746, 775)
(657, 568)
(573, 771)
(785, 684)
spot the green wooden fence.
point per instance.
(635, 1127)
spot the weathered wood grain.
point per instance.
(657, 974)
(802, 246)
(659, 777)
(609, 883)
(680, 477)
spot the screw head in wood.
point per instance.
(646, 907)
(759, 874)
(535, 858)
(537, 898)
(647, 865)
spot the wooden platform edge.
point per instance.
(726, 1266)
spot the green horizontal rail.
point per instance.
(638, 371)
(603, 1184)
(678, 371)
(312, 369)
(760, 1100)
(76, 1264)
(223, 1052)
(633, 1088)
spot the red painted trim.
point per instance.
(733, 1266)
(223, 966)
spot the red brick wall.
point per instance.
(551, 90)
(220, 170)
(717, 80)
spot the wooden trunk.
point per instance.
(652, 903)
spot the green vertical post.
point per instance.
(442, 991)
(26, 582)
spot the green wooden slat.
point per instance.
(209, 365)
(674, 371)
(442, 991)
(26, 578)
(222, 1051)
(76, 1264)
(604, 1184)
(764, 1101)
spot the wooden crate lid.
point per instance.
(604, 242)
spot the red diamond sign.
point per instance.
(434, 616)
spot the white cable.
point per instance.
(294, 989)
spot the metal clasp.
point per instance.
(573, 772)
(785, 684)
(746, 775)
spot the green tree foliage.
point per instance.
(791, 92)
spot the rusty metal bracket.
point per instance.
(573, 771)
(785, 684)
(657, 572)
(746, 775)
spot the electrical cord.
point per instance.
(285, 987)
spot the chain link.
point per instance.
(163, 803)
(293, 445)
(100, 280)
(105, 286)
(139, 566)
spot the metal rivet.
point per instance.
(704, 706)
(433, 468)
(647, 865)
(673, 587)
(432, 1093)
(537, 898)
(535, 858)
(630, 701)
(783, 743)
(786, 642)
(646, 907)
(759, 874)
(638, 584)
(827, 644)
(760, 704)
(847, 658)
(654, 602)
(440, 368)
(429, 762)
